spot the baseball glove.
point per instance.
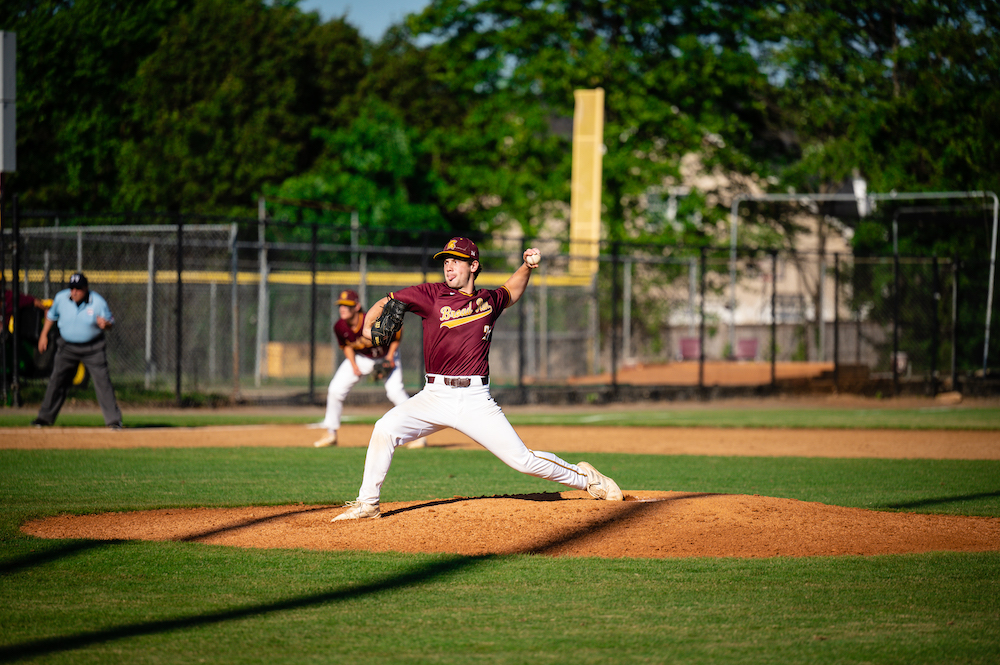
(383, 368)
(389, 322)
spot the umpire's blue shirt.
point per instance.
(78, 323)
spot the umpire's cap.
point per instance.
(462, 248)
(349, 298)
(78, 281)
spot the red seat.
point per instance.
(746, 349)
(690, 348)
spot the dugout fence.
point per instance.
(242, 309)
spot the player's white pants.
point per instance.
(344, 379)
(473, 412)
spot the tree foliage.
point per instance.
(75, 62)
(215, 119)
(674, 74)
(461, 115)
(905, 92)
(369, 167)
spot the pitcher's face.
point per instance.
(458, 273)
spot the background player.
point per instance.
(360, 359)
(458, 322)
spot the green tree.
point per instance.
(370, 167)
(678, 77)
(228, 101)
(75, 60)
(907, 93)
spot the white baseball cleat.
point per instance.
(600, 486)
(418, 443)
(327, 441)
(358, 511)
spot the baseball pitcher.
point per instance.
(458, 322)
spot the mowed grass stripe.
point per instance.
(943, 418)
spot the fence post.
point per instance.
(701, 326)
(857, 315)
(895, 322)
(595, 342)
(179, 327)
(235, 310)
(615, 319)
(213, 289)
(312, 315)
(820, 297)
(955, 272)
(627, 311)
(262, 300)
(692, 293)
(934, 329)
(150, 300)
(836, 321)
(362, 287)
(774, 318)
(355, 239)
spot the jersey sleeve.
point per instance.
(501, 299)
(419, 298)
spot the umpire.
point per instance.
(83, 317)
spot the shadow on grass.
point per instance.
(421, 574)
(938, 501)
(54, 554)
(248, 523)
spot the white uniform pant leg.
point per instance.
(420, 415)
(485, 423)
(341, 383)
(394, 388)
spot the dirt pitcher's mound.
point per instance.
(647, 524)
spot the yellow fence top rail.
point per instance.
(302, 277)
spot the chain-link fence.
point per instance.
(188, 300)
(135, 268)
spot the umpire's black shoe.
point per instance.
(116, 426)
(38, 422)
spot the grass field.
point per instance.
(932, 417)
(143, 602)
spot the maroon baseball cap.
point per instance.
(349, 298)
(462, 248)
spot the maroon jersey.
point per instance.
(458, 327)
(347, 336)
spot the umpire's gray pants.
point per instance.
(68, 356)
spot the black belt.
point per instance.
(456, 381)
(99, 338)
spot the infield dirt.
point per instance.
(652, 524)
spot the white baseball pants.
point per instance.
(473, 412)
(344, 379)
